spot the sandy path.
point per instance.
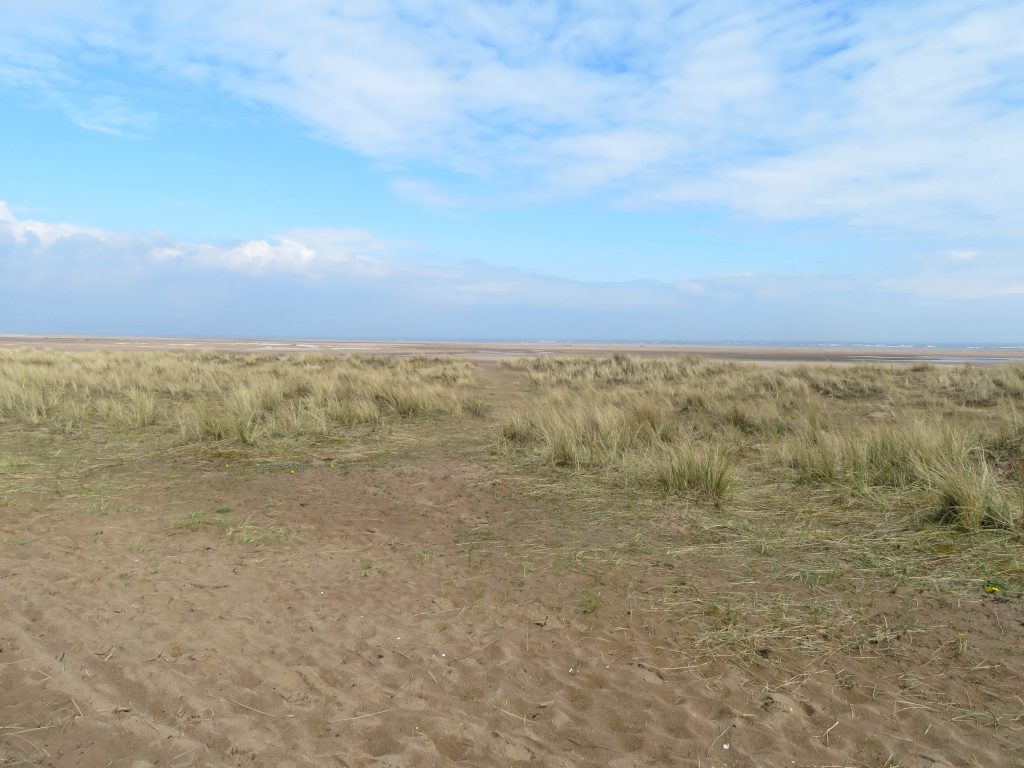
(374, 635)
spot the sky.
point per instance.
(635, 170)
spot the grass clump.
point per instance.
(704, 471)
(635, 437)
(588, 431)
(913, 439)
(968, 495)
(888, 457)
(237, 531)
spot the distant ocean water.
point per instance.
(800, 344)
(914, 350)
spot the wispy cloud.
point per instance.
(965, 276)
(309, 252)
(329, 255)
(902, 117)
(963, 255)
(326, 256)
(40, 235)
(428, 194)
(300, 251)
(107, 113)
(61, 277)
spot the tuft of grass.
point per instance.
(968, 496)
(577, 430)
(517, 429)
(1007, 444)
(16, 541)
(589, 603)
(704, 471)
(193, 521)
(238, 531)
(887, 457)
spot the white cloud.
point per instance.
(357, 254)
(42, 235)
(252, 256)
(302, 251)
(343, 257)
(73, 273)
(906, 116)
(108, 113)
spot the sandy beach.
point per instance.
(485, 352)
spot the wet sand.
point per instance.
(484, 352)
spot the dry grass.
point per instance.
(970, 386)
(814, 496)
(944, 442)
(969, 495)
(588, 429)
(246, 400)
(705, 472)
(238, 531)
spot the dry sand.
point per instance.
(483, 353)
(375, 634)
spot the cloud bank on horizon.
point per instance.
(332, 283)
(900, 124)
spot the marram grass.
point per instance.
(224, 397)
(947, 442)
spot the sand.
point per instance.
(383, 630)
(490, 352)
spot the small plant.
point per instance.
(517, 430)
(959, 644)
(192, 521)
(474, 406)
(589, 603)
(137, 547)
(995, 587)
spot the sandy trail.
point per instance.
(382, 630)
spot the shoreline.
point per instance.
(484, 352)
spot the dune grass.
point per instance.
(946, 443)
(247, 400)
(705, 472)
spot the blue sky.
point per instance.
(699, 171)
